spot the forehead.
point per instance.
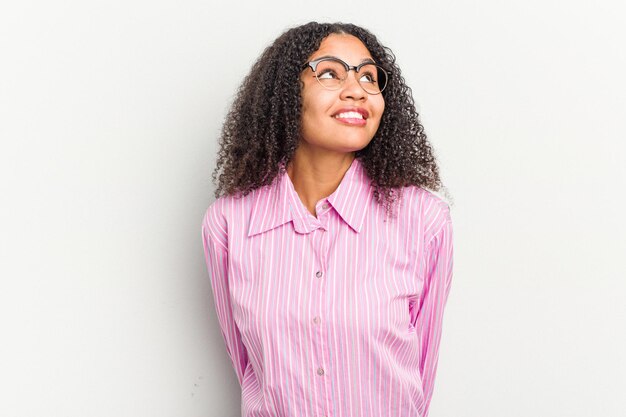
(347, 47)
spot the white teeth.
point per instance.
(349, 115)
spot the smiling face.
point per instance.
(343, 120)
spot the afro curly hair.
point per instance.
(262, 128)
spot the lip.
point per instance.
(352, 121)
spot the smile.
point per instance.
(349, 115)
(350, 118)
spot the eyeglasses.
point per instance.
(332, 73)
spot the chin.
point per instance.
(351, 146)
(358, 143)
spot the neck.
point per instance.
(316, 175)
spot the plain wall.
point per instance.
(110, 113)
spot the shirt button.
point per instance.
(318, 274)
(317, 320)
(320, 371)
(325, 206)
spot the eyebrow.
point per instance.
(336, 57)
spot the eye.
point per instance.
(327, 74)
(368, 77)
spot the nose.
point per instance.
(351, 88)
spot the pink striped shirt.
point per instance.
(338, 315)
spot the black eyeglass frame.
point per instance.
(313, 65)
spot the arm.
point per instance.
(428, 318)
(216, 255)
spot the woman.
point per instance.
(330, 261)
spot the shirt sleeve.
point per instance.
(216, 255)
(429, 315)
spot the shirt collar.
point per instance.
(279, 202)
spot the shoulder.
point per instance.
(225, 213)
(427, 209)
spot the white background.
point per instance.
(110, 113)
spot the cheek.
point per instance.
(381, 105)
(314, 106)
(380, 109)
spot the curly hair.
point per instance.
(262, 127)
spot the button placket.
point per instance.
(321, 356)
(316, 320)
